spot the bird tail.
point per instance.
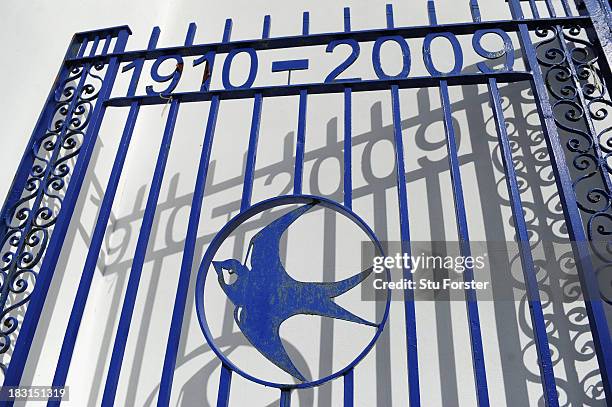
(340, 287)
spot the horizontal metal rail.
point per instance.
(295, 41)
(322, 88)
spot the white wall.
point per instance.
(35, 35)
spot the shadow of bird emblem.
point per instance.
(265, 295)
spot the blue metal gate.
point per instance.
(39, 207)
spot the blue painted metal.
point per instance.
(471, 301)
(225, 383)
(348, 142)
(389, 15)
(566, 7)
(480, 376)
(251, 153)
(326, 38)
(380, 72)
(350, 60)
(300, 142)
(267, 282)
(347, 19)
(127, 309)
(227, 31)
(252, 70)
(83, 53)
(535, 305)
(173, 78)
(349, 388)
(298, 174)
(291, 65)
(285, 398)
(414, 392)
(45, 275)
(76, 315)
(258, 326)
(507, 51)
(265, 34)
(337, 86)
(89, 268)
(348, 146)
(428, 58)
(178, 312)
(588, 280)
(305, 23)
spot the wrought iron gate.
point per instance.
(39, 207)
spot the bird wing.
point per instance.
(265, 244)
(264, 336)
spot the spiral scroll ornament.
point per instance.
(29, 221)
(580, 103)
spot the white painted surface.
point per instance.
(34, 35)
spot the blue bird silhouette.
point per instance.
(266, 295)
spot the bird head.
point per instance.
(232, 277)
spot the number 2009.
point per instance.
(507, 51)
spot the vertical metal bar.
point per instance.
(300, 143)
(588, 279)
(566, 8)
(107, 42)
(178, 312)
(227, 30)
(226, 373)
(534, 9)
(409, 308)
(266, 27)
(225, 383)
(191, 32)
(537, 315)
(127, 310)
(389, 15)
(94, 46)
(78, 307)
(247, 188)
(305, 23)
(348, 176)
(347, 19)
(551, 9)
(480, 375)
(285, 399)
(225, 380)
(298, 173)
(82, 48)
(349, 391)
(471, 302)
(475, 9)
(431, 12)
(45, 275)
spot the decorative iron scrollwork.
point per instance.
(31, 218)
(580, 102)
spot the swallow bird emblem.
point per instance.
(265, 295)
